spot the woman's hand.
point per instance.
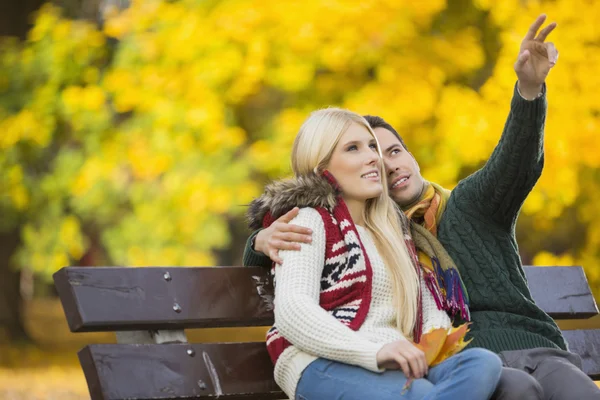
(402, 354)
(282, 235)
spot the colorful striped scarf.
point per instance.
(429, 208)
(439, 271)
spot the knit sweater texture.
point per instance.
(313, 331)
(478, 231)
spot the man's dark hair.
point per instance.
(378, 122)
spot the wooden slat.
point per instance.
(114, 299)
(231, 370)
(167, 371)
(110, 298)
(586, 343)
(563, 292)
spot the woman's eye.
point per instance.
(373, 146)
(352, 147)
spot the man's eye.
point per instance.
(394, 152)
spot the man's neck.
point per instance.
(417, 198)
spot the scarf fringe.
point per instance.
(454, 300)
(418, 328)
(435, 291)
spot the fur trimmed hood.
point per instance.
(314, 191)
(283, 195)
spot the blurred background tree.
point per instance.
(134, 133)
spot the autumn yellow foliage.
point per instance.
(139, 142)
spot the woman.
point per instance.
(348, 304)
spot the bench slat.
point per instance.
(166, 371)
(231, 370)
(586, 343)
(116, 299)
(563, 292)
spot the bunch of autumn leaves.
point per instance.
(441, 344)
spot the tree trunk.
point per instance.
(16, 17)
(11, 304)
(15, 20)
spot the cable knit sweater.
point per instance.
(477, 229)
(314, 332)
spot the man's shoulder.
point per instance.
(465, 197)
(460, 214)
(460, 222)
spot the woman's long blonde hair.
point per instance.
(311, 154)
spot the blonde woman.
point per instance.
(349, 304)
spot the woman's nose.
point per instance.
(373, 158)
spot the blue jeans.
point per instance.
(471, 374)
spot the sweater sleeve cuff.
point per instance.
(528, 109)
(254, 258)
(368, 357)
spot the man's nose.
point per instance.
(389, 169)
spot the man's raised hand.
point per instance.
(536, 57)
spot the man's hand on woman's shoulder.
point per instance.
(282, 235)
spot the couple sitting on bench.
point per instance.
(358, 282)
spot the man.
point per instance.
(475, 225)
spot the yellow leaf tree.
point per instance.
(141, 142)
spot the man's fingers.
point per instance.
(523, 57)
(284, 245)
(290, 215)
(296, 237)
(552, 53)
(274, 256)
(284, 227)
(545, 32)
(534, 27)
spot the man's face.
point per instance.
(403, 174)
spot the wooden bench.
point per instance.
(150, 307)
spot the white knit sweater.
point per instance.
(313, 332)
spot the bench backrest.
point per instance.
(163, 300)
(153, 298)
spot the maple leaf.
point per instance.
(455, 342)
(432, 343)
(439, 345)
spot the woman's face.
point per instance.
(355, 164)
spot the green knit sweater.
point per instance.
(478, 231)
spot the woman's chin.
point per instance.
(374, 193)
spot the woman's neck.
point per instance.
(356, 208)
